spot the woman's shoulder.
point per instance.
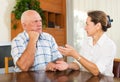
(109, 41)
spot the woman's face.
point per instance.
(90, 27)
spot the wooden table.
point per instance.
(42, 76)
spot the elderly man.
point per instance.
(33, 49)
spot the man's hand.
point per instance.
(33, 36)
(51, 66)
(61, 65)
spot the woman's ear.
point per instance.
(98, 25)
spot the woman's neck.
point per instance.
(97, 36)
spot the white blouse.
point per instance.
(102, 54)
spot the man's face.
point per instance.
(34, 23)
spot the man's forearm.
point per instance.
(27, 58)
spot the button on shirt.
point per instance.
(46, 50)
(102, 54)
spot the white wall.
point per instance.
(111, 7)
(5, 13)
(69, 24)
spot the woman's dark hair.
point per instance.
(100, 17)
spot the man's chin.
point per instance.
(39, 32)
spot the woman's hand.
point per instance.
(67, 50)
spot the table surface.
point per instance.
(65, 76)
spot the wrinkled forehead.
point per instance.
(30, 15)
(33, 16)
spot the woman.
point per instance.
(97, 52)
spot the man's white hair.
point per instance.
(27, 14)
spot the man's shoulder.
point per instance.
(46, 35)
(19, 36)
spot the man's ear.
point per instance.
(24, 26)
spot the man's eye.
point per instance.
(36, 21)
